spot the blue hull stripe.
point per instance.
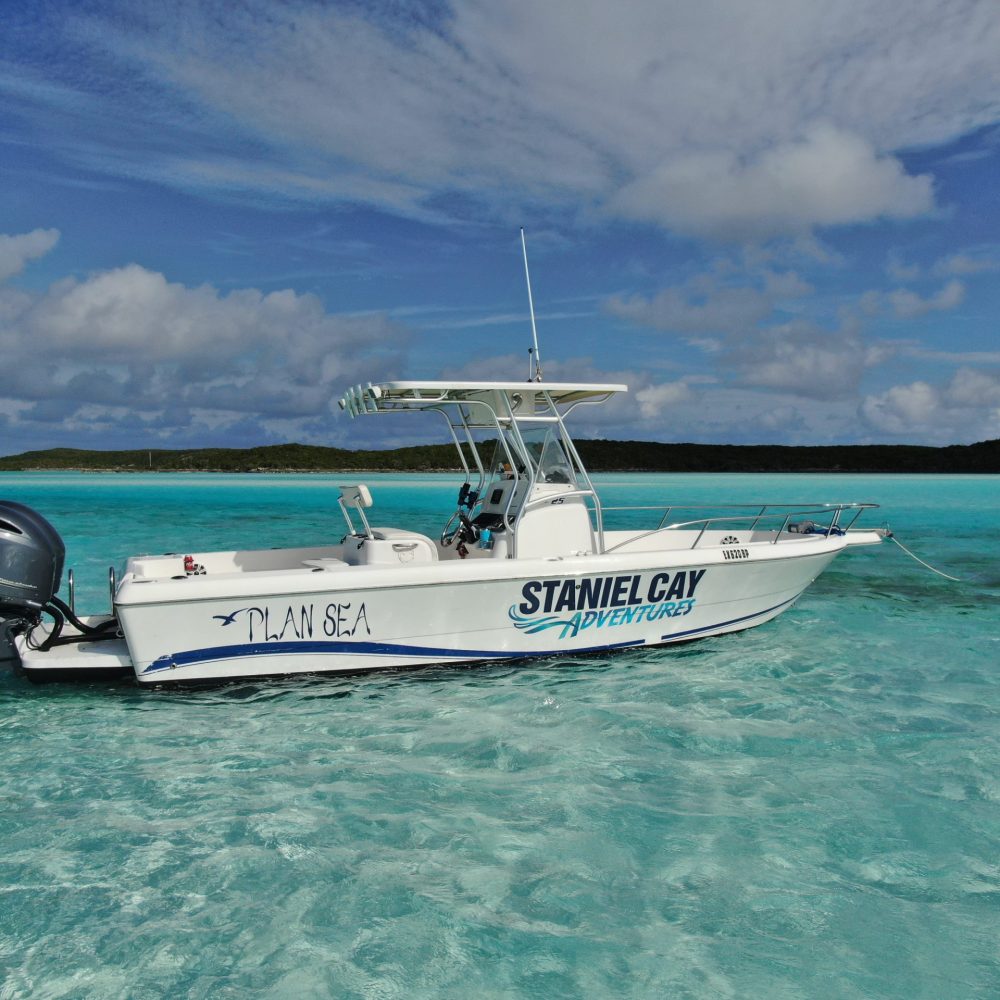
(732, 621)
(191, 656)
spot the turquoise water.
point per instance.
(807, 809)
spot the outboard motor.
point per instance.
(31, 561)
(31, 565)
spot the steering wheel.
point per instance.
(448, 534)
(469, 531)
(465, 530)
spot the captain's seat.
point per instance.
(379, 546)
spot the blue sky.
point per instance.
(777, 222)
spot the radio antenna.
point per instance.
(533, 350)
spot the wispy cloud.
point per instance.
(963, 264)
(952, 357)
(723, 119)
(910, 305)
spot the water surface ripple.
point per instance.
(808, 809)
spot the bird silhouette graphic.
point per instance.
(230, 618)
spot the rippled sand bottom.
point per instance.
(808, 809)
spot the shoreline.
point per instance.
(444, 471)
(598, 455)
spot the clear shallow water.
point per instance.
(806, 809)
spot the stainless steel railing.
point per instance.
(830, 517)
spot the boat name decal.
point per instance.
(603, 601)
(299, 621)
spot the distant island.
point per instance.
(598, 456)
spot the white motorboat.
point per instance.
(528, 564)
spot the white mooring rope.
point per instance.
(955, 579)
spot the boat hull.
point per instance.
(447, 615)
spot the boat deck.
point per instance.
(107, 659)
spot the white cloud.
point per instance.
(983, 260)
(803, 359)
(16, 251)
(828, 177)
(903, 408)
(684, 310)
(951, 357)
(965, 409)
(654, 399)
(727, 300)
(743, 415)
(973, 388)
(909, 305)
(130, 339)
(747, 321)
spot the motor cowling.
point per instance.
(31, 560)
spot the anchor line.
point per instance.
(954, 579)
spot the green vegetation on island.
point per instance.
(598, 456)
